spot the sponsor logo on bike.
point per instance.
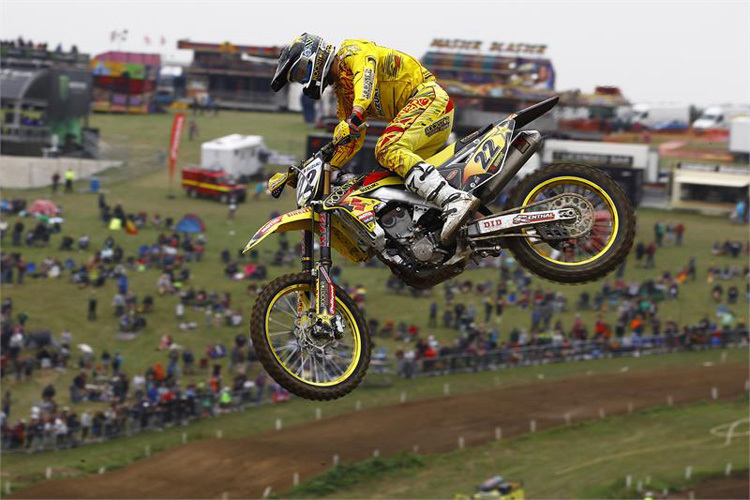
(489, 225)
(533, 217)
(323, 230)
(366, 217)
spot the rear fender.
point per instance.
(296, 220)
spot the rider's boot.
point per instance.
(424, 180)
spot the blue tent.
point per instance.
(191, 223)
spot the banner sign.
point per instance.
(174, 143)
(476, 45)
(594, 159)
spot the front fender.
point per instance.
(295, 220)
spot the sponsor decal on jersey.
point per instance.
(376, 102)
(437, 126)
(533, 217)
(369, 77)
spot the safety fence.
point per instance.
(575, 350)
(187, 406)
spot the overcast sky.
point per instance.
(688, 52)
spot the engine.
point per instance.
(413, 235)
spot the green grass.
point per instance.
(586, 460)
(22, 469)
(57, 304)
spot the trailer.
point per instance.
(239, 156)
(661, 116)
(739, 139)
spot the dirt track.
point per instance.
(244, 467)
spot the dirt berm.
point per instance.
(243, 468)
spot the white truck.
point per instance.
(739, 139)
(660, 116)
(720, 116)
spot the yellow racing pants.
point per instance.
(417, 132)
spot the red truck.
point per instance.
(201, 183)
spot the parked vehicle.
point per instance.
(216, 184)
(568, 223)
(241, 156)
(661, 116)
(720, 116)
(739, 139)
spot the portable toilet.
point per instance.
(240, 156)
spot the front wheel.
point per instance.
(604, 231)
(312, 362)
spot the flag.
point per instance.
(174, 143)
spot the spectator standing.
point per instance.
(17, 234)
(92, 307)
(193, 130)
(433, 315)
(70, 176)
(679, 232)
(55, 182)
(658, 233)
(640, 251)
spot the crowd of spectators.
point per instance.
(105, 401)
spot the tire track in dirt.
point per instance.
(243, 468)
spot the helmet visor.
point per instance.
(301, 71)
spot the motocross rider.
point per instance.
(378, 82)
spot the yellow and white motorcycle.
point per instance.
(566, 223)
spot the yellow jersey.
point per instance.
(379, 79)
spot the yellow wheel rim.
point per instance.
(314, 366)
(606, 220)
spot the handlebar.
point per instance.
(327, 151)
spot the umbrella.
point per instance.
(44, 207)
(86, 348)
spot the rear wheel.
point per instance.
(313, 364)
(596, 251)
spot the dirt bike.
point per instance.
(566, 223)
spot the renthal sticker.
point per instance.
(437, 126)
(369, 77)
(491, 224)
(451, 174)
(533, 217)
(366, 217)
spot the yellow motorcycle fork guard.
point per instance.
(301, 219)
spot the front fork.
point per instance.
(325, 300)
